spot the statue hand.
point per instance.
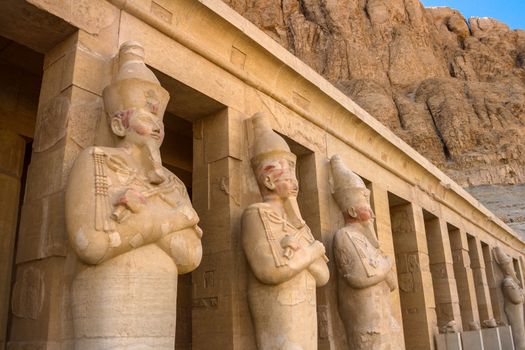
(391, 280)
(132, 199)
(318, 249)
(290, 242)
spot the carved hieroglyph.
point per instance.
(365, 275)
(514, 297)
(286, 262)
(130, 221)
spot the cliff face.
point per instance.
(454, 90)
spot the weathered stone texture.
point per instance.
(453, 89)
(506, 201)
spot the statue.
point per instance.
(286, 262)
(130, 221)
(365, 275)
(514, 297)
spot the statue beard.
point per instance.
(293, 214)
(155, 173)
(370, 233)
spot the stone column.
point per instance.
(441, 267)
(70, 107)
(379, 201)
(464, 277)
(12, 149)
(415, 280)
(217, 176)
(477, 263)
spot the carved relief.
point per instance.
(365, 275)
(130, 220)
(286, 262)
(514, 297)
(28, 294)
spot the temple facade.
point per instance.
(56, 59)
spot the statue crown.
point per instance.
(268, 144)
(501, 257)
(347, 187)
(135, 87)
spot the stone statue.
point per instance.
(130, 221)
(365, 275)
(286, 262)
(514, 297)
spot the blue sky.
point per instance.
(510, 12)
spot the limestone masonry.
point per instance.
(171, 177)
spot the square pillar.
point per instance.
(413, 272)
(464, 277)
(477, 263)
(379, 201)
(69, 112)
(217, 179)
(442, 270)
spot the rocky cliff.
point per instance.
(454, 89)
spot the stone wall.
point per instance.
(216, 84)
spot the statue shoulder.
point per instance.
(169, 174)
(347, 234)
(256, 207)
(509, 282)
(252, 216)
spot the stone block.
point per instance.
(87, 70)
(448, 341)
(472, 340)
(45, 174)
(93, 16)
(216, 143)
(40, 303)
(51, 122)
(491, 339)
(85, 113)
(42, 229)
(505, 338)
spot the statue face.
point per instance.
(279, 178)
(286, 185)
(364, 214)
(145, 127)
(360, 205)
(140, 128)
